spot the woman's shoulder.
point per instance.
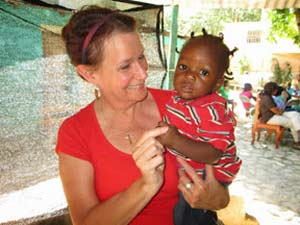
(75, 133)
(267, 101)
(80, 117)
(265, 97)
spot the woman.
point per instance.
(113, 169)
(270, 114)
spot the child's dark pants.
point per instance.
(185, 215)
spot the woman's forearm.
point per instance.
(221, 198)
(121, 208)
(85, 208)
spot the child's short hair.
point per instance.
(222, 51)
(247, 87)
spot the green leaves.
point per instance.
(213, 20)
(284, 25)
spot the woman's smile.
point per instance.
(136, 86)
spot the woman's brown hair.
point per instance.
(96, 24)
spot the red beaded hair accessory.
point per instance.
(91, 34)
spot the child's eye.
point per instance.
(182, 67)
(203, 72)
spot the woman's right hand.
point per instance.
(148, 154)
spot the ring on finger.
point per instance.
(188, 185)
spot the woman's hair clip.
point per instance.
(91, 34)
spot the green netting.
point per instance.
(21, 36)
(39, 88)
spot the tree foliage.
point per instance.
(285, 24)
(243, 65)
(213, 20)
(282, 75)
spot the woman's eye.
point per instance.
(203, 72)
(124, 67)
(141, 57)
(182, 67)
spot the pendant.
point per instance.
(128, 138)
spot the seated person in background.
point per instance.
(280, 98)
(294, 101)
(284, 95)
(289, 87)
(246, 96)
(224, 92)
(270, 114)
(294, 89)
(201, 126)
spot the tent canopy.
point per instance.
(247, 4)
(271, 4)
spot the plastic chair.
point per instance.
(258, 125)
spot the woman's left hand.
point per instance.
(199, 193)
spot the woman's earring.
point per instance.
(97, 93)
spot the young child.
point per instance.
(246, 96)
(224, 91)
(201, 126)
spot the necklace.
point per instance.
(128, 138)
(107, 122)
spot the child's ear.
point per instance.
(219, 83)
(86, 73)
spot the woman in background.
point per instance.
(271, 114)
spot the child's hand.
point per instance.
(168, 138)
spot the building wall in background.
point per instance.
(251, 40)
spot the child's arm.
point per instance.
(253, 97)
(198, 151)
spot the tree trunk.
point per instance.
(297, 14)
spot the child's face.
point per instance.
(197, 73)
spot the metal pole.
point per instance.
(168, 83)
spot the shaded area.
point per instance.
(39, 88)
(21, 31)
(34, 100)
